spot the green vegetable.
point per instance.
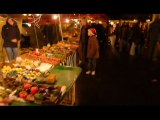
(39, 96)
(18, 90)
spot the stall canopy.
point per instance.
(50, 17)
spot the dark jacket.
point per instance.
(93, 47)
(136, 35)
(8, 33)
(83, 43)
(154, 31)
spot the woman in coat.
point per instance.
(11, 35)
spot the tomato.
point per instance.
(34, 90)
(27, 86)
(23, 94)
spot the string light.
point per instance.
(37, 15)
(135, 20)
(29, 25)
(55, 17)
(100, 22)
(148, 20)
(111, 23)
(24, 14)
(67, 20)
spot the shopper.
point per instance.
(92, 51)
(154, 38)
(11, 35)
(83, 41)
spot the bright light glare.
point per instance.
(111, 23)
(148, 20)
(37, 14)
(67, 20)
(100, 22)
(54, 17)
(29, 24)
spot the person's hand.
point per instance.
(14, 40)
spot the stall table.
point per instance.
(65, 76)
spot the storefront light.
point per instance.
(29, 14)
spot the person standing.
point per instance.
(47, 32)
(83, 42)
(154, 38)
(92, 51)
(11, 35)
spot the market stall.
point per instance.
(41, 77)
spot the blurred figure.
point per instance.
(135, 38)
(11, 35)
(123, 44)
(112, 37)
(143, 47)
(100, 36)
(47, 32)
(83, 42)
(118, 33)
(154, 38)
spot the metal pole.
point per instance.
(60, 25)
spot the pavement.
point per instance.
(120, 80)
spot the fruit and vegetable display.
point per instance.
(4, 96)
(53, 54)
(19, 73)
(39, 93)
(28, 77)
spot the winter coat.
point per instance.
(8, 33)
(93, 47)
(136, 35)
(154, 31)
(83, 43)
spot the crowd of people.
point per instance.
(136, 39)
(139, 39)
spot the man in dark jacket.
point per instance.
(11, 35)
(83, 42)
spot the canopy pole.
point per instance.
(60, 25)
